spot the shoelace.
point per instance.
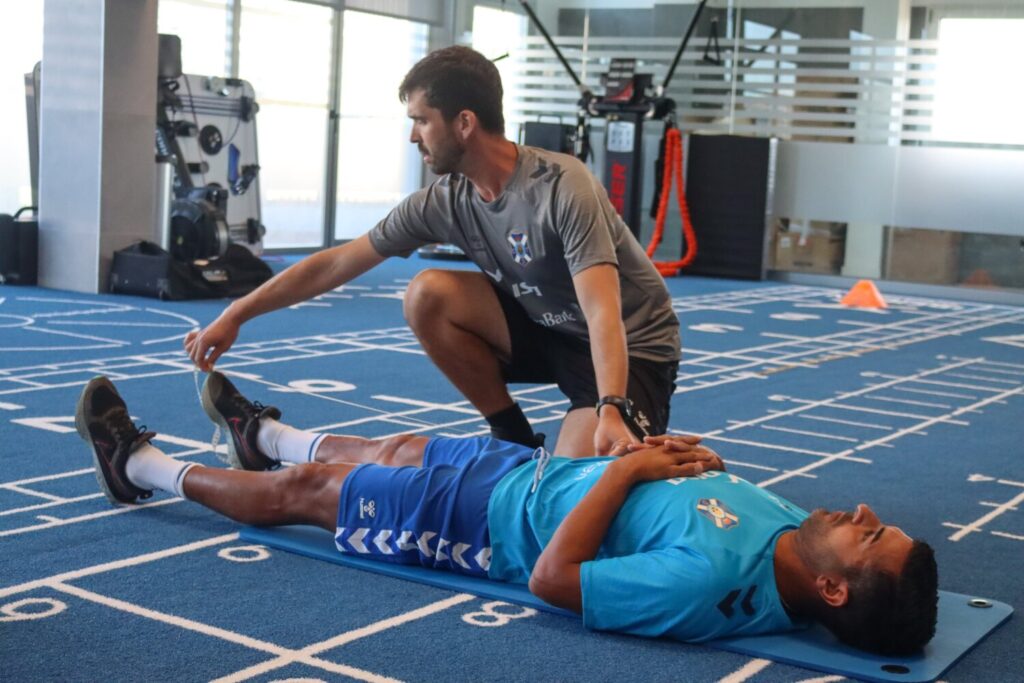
(542, 456)
(215, 438)
(124, 430)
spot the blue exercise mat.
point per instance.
(963, 620)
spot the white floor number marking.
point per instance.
(318, 386)
(489, 616)
(12, 611)
(244, 553)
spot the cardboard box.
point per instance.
(927, 256)
(810, 247)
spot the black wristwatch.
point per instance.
(624, 405)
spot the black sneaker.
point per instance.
(102, 421)
(240, 418)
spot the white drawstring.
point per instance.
(542, 457)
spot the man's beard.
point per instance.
(445, 158)
(811, 541)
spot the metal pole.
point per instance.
(558, 53)
(682, 45)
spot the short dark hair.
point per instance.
(457, 78)
(886, 614)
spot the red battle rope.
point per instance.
(673, 165)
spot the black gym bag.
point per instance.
(19, 248)
(144, 269)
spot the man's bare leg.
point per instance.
(395, 451)
(303, 494)
(576, 435)
(459, 321)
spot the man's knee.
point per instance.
(298, 486)
(428, 295)
(400, 450)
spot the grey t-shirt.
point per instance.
(552, 221)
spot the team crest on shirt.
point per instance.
(521, 253)
(717, 512)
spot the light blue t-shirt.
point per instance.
(688, 558)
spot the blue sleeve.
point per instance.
(646, 594)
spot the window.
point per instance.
(202, 26)
(771, 72)
(497, 33)
(284, 52)
(20, 48)
(377, 165)
(977, 96)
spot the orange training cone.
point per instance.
(864, 294)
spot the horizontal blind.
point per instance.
(864, 91)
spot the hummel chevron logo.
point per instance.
(726, 608)
(405, 541)
(381, 541)
(483, 558)
(424, 543)
(549, 174)
(356, 541)
(457, 551)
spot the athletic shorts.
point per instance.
(434, 516)
(541, 355)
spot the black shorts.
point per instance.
(541, 355)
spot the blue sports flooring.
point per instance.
(917, 410)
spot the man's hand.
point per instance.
(671, 458)
(205, 346)
(611, 432)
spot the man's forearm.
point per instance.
(608, 349)
(556, 575)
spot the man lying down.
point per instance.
(657, 540)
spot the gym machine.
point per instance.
(628, 102)
(194, 114)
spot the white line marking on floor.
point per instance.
(426, 404)
(215, 632)
(928, 392)
(748, 670)
(791, 449)
(807, 433)
(984, 519)
(30, 492)
(852, 423)
(118, 564)
(984, 379)
(43, 506)
(86, 518)
(344, 638)
(912, 416)
(906, 401)
(936, 420)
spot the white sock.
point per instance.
(150, 468)
(287, 444)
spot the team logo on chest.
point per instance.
(521, 252)
(717, 512)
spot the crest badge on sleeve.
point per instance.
(521, 253)
(718, 512)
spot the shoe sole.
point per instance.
(82, 426)
(231, 458)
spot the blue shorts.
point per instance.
(435, 515)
